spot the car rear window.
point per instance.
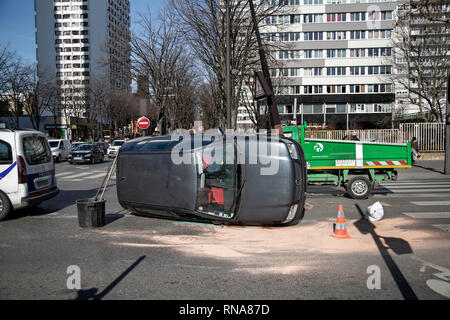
(36, 150)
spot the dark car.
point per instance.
(220, 178)
(82, 153)
(103, 145)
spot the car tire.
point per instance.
(5, 206)
(359, 187)
(59, 158)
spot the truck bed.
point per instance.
(338, 154)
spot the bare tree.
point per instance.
(203, 24)
(159, 56)
(6, 58)
(38, 94)
(432, 10)
(421, 61)
(15, 79)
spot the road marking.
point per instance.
(424, 187)
(414, 183)
(95, 176)
(407, 195)
(63, 174)
(78, 175)
(423, 190)
(427, 215)
(431, 203)
(444, 227)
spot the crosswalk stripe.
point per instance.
(431, 203)
(100, 175)
(416, 183)
(427, 215)
(63, 174)
(78, 175)
(446, 191)
(417, 187)
(408, 195)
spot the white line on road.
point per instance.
(431, 203)
(447, 191)
(78, 175)
(95, 176)
(63, 174)
(408, 195)
(427, 215)
(414, 183)
(418, 187)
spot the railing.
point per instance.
(430, 136)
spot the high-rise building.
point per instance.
(79, 41)
(331, 62)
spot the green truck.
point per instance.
(357, 166)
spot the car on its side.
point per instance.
(60, 149)
(86, 153)
(114, 147)
(227, 179)
(27, 170)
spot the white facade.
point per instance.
(333, 57)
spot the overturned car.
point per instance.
(230, 179)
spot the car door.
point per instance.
(8, 164)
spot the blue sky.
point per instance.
(17, 23)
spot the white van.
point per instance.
(60, 149)
(27, 170)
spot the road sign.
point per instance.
(143, 123)
(261, 87)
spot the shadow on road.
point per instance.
(91, 294)
(398, 245)
(427, 168)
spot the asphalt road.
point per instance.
(135, 257)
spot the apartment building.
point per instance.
(331, 62)
(79, 41)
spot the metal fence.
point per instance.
(430, 136)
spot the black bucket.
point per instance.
(91, 213)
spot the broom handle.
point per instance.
(106, 178)
(109, 175)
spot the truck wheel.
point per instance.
(359, 187)
(5, 206)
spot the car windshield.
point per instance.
(117, 143)
(218, 178)
(54, 144)
(83, 147)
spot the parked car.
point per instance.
(60, 149)
(236, 191)
(104, 146)
(27, 170)
(114, 148)
(90, 153)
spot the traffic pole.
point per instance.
(447, 129)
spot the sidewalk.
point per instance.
(423, 169)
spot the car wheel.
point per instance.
(359, 187)
(59, 158)
(5, 206)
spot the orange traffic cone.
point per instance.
(340, 230)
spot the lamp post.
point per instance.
(228, 64)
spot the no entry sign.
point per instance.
(143, 123)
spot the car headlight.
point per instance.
(292, 149)
(291, 214)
